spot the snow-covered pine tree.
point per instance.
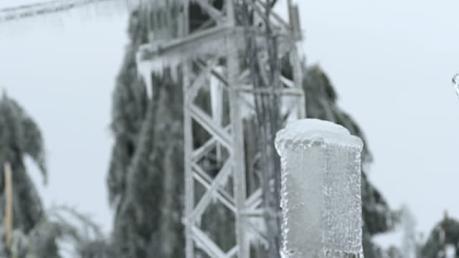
(146, 171)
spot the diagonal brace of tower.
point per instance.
(210, 51)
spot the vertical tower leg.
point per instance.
(189, 181)
(188, 139)
(238, 156)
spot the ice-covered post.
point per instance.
(321, 196)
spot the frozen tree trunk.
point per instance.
(8, 217)
(321, 195)
(409, 241)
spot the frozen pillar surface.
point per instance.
(321, 196)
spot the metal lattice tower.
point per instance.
(210, 57)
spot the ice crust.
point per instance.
(321, 196)
(306, 131)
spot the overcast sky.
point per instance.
(391, 63)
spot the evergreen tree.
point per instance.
(35, 232)
(20, 137)
(146, 172)
(444, 234)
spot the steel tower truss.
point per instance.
(209, 58)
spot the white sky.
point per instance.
(9, 3)
(390, 61)
(63, 70)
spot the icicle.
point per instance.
(144, 69)
(161, 17)
(456, 83)
(409, 240)
(320, 196)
